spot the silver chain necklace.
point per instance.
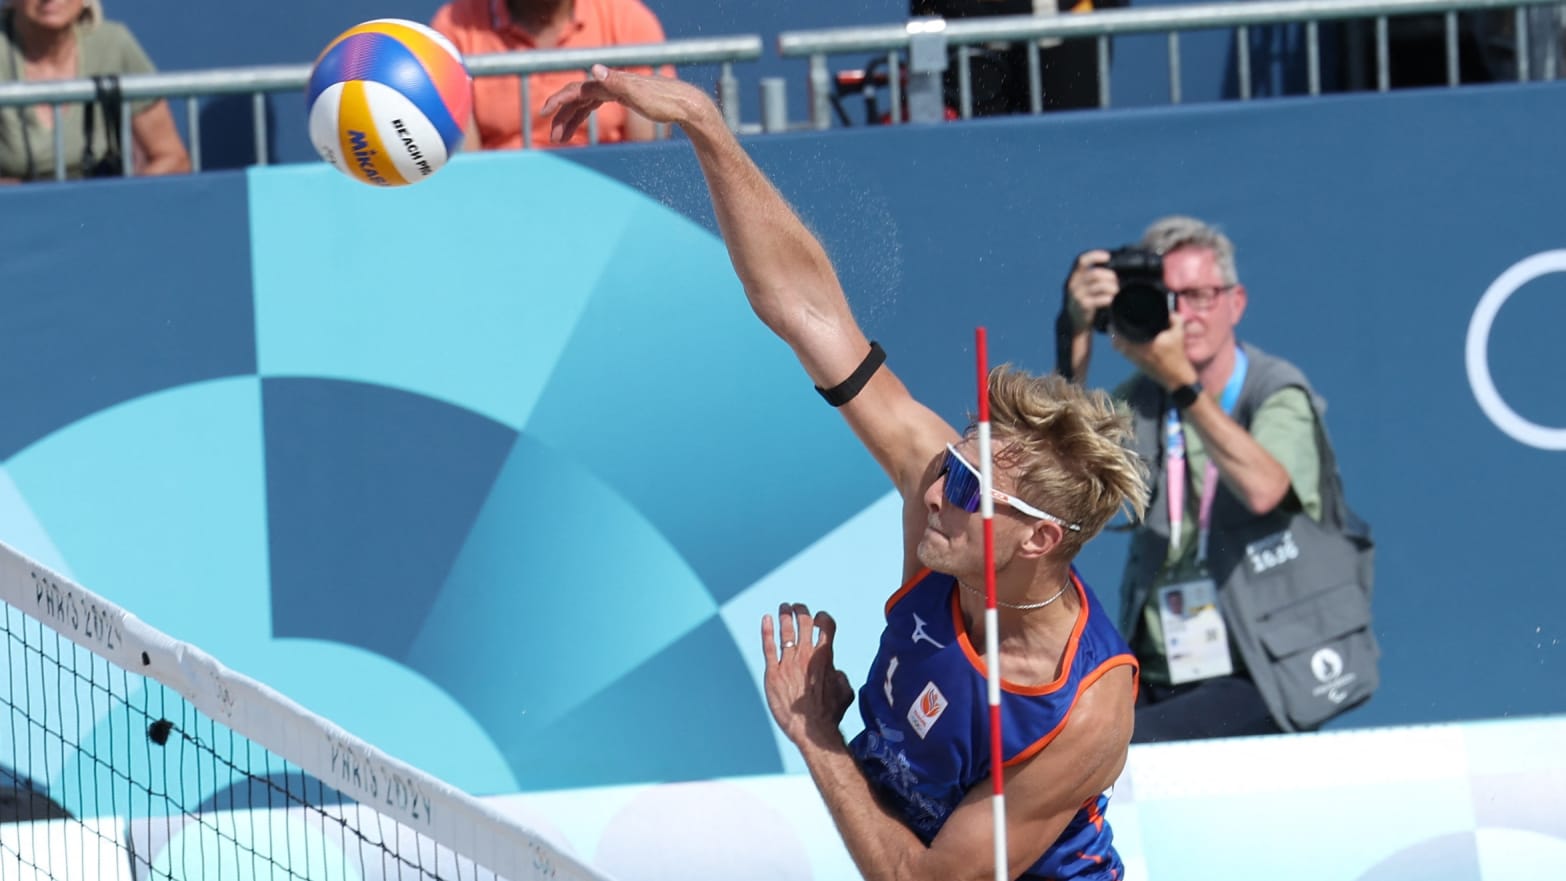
(1021, 607)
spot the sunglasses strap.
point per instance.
(848, 389)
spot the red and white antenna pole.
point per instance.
(991, 619)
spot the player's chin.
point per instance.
(934, 550)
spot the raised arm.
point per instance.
(786, 274)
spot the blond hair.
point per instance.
(92, 11)
(1069, 449)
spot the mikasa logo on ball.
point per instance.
(365, 155)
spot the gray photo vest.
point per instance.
(1295, 595)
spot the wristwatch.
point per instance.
(1186, 395)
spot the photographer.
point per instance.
(1231, 434)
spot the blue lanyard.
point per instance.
(1174, 434)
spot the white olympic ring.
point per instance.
(1504, 417)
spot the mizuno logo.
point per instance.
(919, 633)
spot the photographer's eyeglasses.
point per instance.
(1199, 299)
(962, 490)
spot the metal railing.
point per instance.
(261, 81)
(929, 38)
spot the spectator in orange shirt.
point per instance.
(481, 27)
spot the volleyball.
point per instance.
(388, 102)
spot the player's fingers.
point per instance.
(802, 625)
(594, 90)
(787, 633)
(558, 124)
(581, 90)
(769, 643)
(826, 628)
(572, 117)
(610, 82)
(570, 120)
(560, 98)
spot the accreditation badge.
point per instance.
(1195, 640)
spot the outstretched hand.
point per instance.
(806, 693)
(659, 99)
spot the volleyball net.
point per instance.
(126, 754)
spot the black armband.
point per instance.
(845, 391)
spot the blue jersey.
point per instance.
(925, 707)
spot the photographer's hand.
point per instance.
(1245, 466)
(1089, 288)
(1163, 357)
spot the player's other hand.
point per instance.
(807, 694)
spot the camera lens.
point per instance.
(1139, 312)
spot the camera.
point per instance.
(1141, 310)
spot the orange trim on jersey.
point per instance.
(1028, 690)
(1095, 816)
(1136, 678)
(907, 586)
(1097, 673)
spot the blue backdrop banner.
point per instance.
(510, 446)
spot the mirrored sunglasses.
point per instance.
(962, 488)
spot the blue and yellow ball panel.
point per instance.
(379, 58)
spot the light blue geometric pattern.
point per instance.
(158, 504)
(850, 573)
(465, 288)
